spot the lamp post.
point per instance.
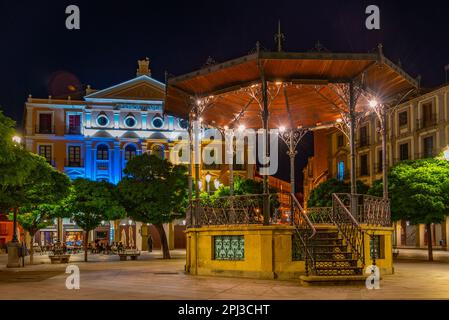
(208, 177)
(291, 137)
(381, 113)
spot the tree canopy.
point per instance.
(91, 202)
(154, 191)
(321, 196)
(419, 191)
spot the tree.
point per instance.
(92, 202)
(321, 196)
(154, 191)
(419, 192)
(15, 163)
(35, 199)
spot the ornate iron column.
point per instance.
(265, 115)
(291, 137)
(190, 218)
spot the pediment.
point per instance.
(140, 88)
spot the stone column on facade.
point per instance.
(89, 161)
(144, 123)
(116, 119)
(420, 232)
(117, 162)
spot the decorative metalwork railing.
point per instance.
(374, 211)
(348, 226)
(319, 215)
(304, 231)
(239, 209)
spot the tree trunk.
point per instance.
(86, 238)
(31, 248)
(164, 242)
(429, 241)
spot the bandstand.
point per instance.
(294, 93)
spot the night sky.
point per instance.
(178, 36)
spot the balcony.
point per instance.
(426, 123)
(73, 130)
(363, 172)
(363, 142)
(44, 130)
(378, 168)
(74, 164)
(425, 155)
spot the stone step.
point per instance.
(333, 280)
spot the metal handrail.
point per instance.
(349, 228)
(308, 227)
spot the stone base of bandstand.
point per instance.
(267, 252)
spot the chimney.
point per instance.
(144, 67)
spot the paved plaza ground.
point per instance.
(105, 277)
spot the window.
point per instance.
(427, 116)
(380, 161)
(74, 124)
(158, 151)
(158, 122)
(74, 159)
(364, 136)
(102, 120)
(403, 152)
(364, 165)
(183, 124)
(376, 244)
(45, 151)
(428, 147)
(229, 247)
(340, 141)
(403, 118)
(102, 152)
(341, 170)
(130, 152)
(45, 123)
(130, 121)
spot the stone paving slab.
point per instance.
(154, 278)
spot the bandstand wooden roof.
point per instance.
(306, 88)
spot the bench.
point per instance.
(62, 258)
(133, 255)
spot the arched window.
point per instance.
(158, 151)
(130, 152)
(102, 152)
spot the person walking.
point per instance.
(150, 243)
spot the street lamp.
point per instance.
(216, 184)
(208, 177)
(373, 103)
(200, 185)
(241, 128)
(130, 222)
(17, 139)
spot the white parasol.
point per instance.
(123, 237)
(131, 237)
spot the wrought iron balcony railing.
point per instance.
(74, 163)
(427, 122)
(73, 130)
(44, 130)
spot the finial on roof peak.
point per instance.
(144, 67)
(279, 37)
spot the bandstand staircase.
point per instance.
(332, 248)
